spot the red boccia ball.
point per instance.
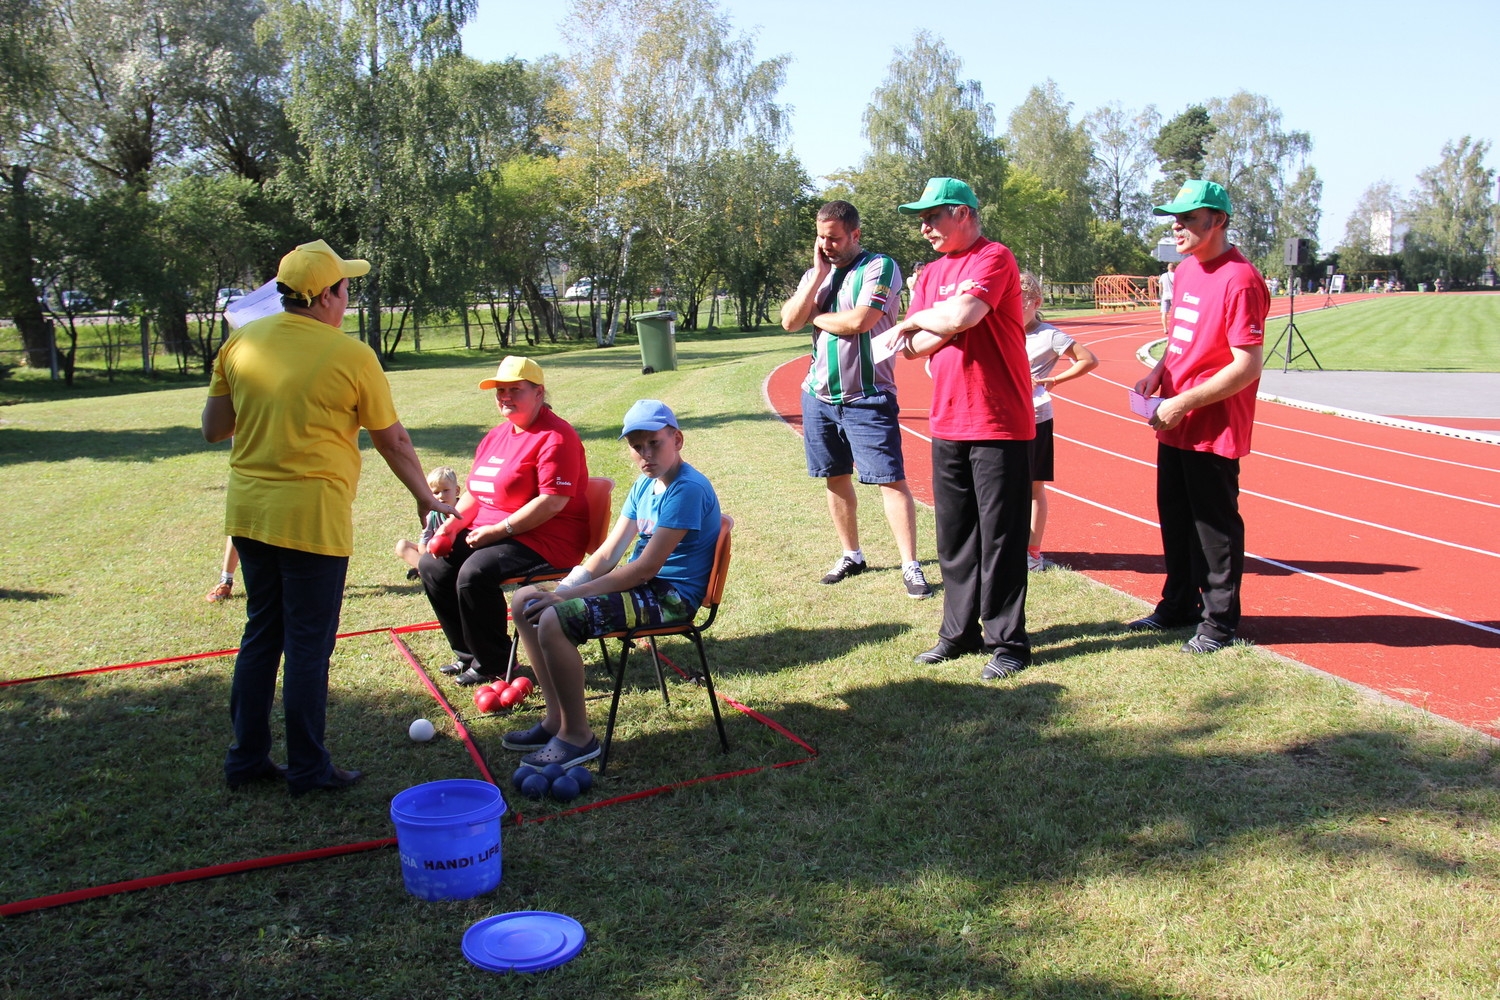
(522, 684)
(507, 698)
(486, 700)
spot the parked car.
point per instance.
(227, 297)
(76, 302)
(581, 289)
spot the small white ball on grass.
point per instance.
(421, 731)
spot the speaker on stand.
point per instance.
(1296, 254)
(1328, 302)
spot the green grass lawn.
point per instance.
(1119, 821)
(1396, 333)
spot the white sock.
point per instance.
(226, 578)
(857, 555)
(914, 564)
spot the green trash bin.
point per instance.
(657, 332)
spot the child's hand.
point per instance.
(538, 603)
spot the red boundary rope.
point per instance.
(317, 854)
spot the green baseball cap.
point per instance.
(941, 191)
(1196, 194)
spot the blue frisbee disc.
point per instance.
(525, 941)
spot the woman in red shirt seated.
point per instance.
(524, 510)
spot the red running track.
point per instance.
(1372, 550)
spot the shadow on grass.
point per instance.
(928, 851)
(24, 444)
(7, 594)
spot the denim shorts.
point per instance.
(653, 603)
(864, 434)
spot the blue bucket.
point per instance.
(448, 833)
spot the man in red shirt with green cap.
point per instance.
(966, 316)
(1207, 379)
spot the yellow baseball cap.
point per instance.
(514, 369)
(312, 267)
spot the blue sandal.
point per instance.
(562, 753)
(526, 739)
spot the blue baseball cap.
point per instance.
(648, 415)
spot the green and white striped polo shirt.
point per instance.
(843, 369)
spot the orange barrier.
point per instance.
(1124, 291)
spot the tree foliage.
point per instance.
(1263, 166)
(924, 120)
(661, 90)
(1180, 146)
(1044, 141)
(1451, 217)
(1123, 161)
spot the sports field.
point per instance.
(1393, 333)
(1120, 821)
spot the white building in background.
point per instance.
(1386, 234)
(1380, 231)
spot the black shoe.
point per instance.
(412, 574)
(1001, 666)
(471, 676)
(456, 667)
(1201, 643)
(844, 568)
(340, 778)
(268, 771)
(1158, 623)
(944, 651)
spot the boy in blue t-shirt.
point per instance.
(672, 517)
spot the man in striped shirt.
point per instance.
(849, 409)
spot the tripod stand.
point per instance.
(1291, 334)
(1328, 302)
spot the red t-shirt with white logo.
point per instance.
(513, 466)
(981, 380)
(1215, 306)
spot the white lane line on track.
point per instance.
(1310, 465)
(1299, 506)
(1432, 612)
(1253, 493)
(1376, 447)
(1382, 482)
(1375, 595)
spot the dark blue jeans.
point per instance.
(292, 600)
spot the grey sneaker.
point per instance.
(1035, 564)
(845, 567)
(917, 587)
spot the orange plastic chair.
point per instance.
(600, 493)
(691, 628)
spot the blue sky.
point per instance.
(1380, 86)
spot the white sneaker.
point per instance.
(1035, 564)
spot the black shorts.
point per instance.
(1041, 453)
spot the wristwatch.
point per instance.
(509, 531)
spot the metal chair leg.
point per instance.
(661, 677)
(614, 706)
(713, 699)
